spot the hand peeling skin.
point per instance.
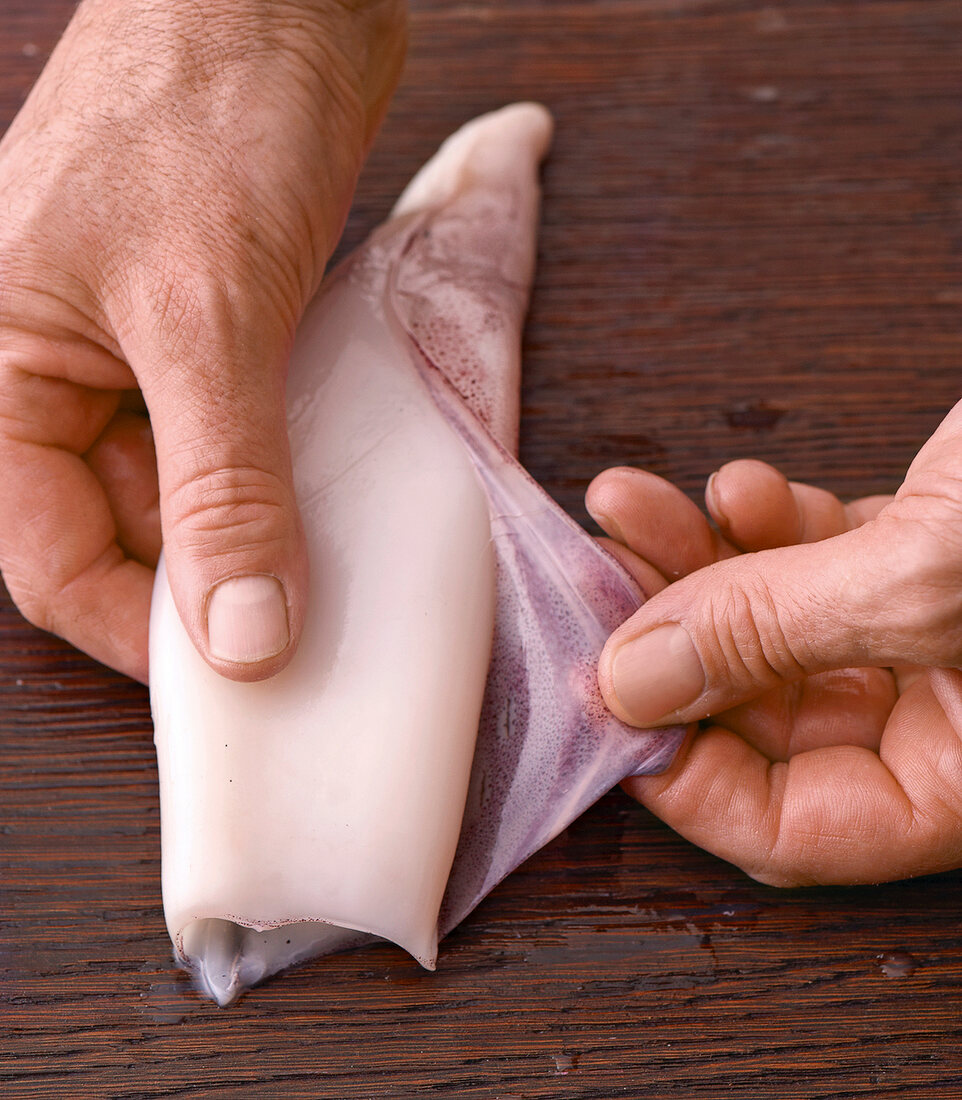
(441, 720)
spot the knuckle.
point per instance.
(191, 313)
(231, 509)
(30, 576)
(34, 604)
(753, 633)
(44, 599)
(229, 307)
(779, 861)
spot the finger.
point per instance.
(836, 815)
(847, 706)
(906, 675)
(867, 508)
(648, 579)
(58, 549)
(881, 595)
(212, 376)
(655, 520)
(61, 561)
(123, 461)
(757, 508)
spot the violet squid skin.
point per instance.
(441, 719)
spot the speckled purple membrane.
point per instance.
(547, 747)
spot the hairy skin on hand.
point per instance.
(172, 190)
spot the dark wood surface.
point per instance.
(752, 245)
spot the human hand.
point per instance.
(171, 191)
(823, 640)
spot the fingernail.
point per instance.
(247, 619)
(657, 674)
(607, 524)
(711, 501)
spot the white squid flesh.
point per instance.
(441, 720)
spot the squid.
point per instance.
(441, 720)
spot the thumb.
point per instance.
(875, 596)
(233, 543)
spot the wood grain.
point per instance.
(751, 246)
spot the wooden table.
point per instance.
(752, 245)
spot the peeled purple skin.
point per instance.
(547, 745)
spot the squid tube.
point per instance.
(441, 720)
